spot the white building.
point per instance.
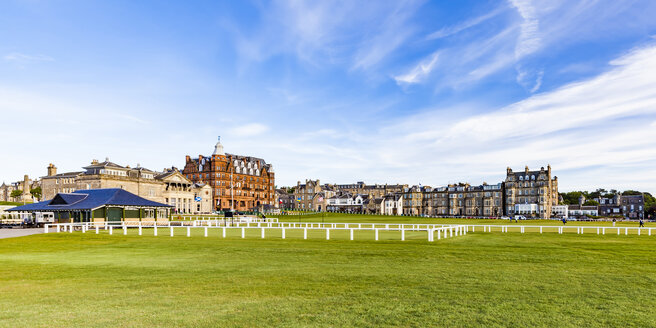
(393, 204)
(560, 211)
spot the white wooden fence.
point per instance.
(430, 230)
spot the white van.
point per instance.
(520, 217)
(44, 218)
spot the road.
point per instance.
(9, 233)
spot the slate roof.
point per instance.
(88, 200)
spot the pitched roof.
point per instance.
(89, 199)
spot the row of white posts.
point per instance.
(442, 232)
(429, 228)
(560, 229)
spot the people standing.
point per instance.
(642, 223)
(614, 221)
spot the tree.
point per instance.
(631, 193)
(16, 193)
(591, 203)
(572, 197)
(649, 200)
(36, 192)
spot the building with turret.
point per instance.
(238, 182)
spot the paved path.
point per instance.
(9, 233)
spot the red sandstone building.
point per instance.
(238, 182)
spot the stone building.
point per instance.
(457, 200)
(183, 195)
(25, 186)
(633, 206)
(374, 191)
(413, 200)
(238, 182)
(531, 193)
(55, 183)
(285, 200)
(169, 187)
(106, 175)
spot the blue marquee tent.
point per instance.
(94, 204)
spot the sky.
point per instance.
(416, 92)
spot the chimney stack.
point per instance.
(52, 170)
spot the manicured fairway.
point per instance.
(479, 279)
(355, 218)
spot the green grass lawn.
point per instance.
(480, 279)
(355, 218)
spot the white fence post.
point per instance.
(540, 229)
(171, 231)
(111, 230)
(262, 233)
(305, 232)
(327, 234)
(402, 234)
(224, 231)
(58, 228)
(205, 231)
(376, 233)
(243, 232)
(626, 231)
(639, 231)
(155, 230)
(603, 230)
(125, 230)
(45, 228)
(283, 233)
(351, 233)
(140, 229)
(188, 231)
(96, 229)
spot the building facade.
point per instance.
(25, 186)
(531, 193)
(168, 187)
(238, 182)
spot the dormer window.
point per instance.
(521, 178)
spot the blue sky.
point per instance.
(342, 91)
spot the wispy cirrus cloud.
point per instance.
(358, 35)
(419, 72)
(22, 58)
(596, 123)
(452, 30)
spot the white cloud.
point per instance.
(249, 130)
(357, 35)
(24, 58)
(448, 31)
(529, 40)
(419, 72)
(599, 123)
